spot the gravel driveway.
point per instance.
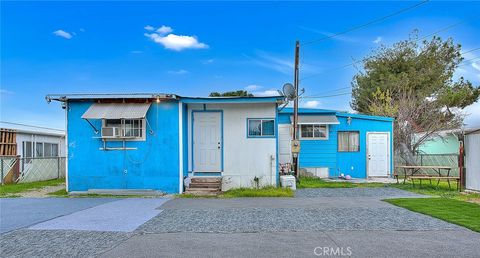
(322, 210)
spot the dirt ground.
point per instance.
(42, 192)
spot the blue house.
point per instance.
(154, 141)
(334, 143)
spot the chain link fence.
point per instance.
(22, 170)
(450, 160)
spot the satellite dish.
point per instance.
(289, 91)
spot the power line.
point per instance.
(359, 61)
(349, 87)
(327, 96)
(368, 23)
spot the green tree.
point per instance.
(414, 83)
(238, 93)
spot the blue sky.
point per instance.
(193, 48)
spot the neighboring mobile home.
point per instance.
(334, 143)
(155, 141)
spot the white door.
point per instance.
(207, 142)
(378, 154)
(284, 144)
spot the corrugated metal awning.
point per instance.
(323, 120)
(117, 111)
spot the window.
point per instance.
(261, 127)
(54, 150)
(47, 149)
(314, 131)
(27, 150)
(129, 128)
(39, 149)
(348, 141)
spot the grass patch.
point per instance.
(12, 189)
(64, 193)
(313, 182)
(268, 191)
(454, 211)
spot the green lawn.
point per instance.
(441, 191)
(268, 191)
(12, 189)
(312, 182)
(458, 212)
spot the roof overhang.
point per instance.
(107, 96)
(117, 111)
(320, 120)
(224, 100)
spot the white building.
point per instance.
(472, 161)
(37, 142)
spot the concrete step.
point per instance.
(203, 189)
(206, 180)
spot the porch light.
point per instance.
(349, 120)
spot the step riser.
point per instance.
(206, 180)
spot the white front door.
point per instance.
(207, 142)
(378, 154)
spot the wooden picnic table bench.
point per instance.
(411, 171)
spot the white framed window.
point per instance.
(313, 132)
(128, 129)
(349, 141)
(260, 127)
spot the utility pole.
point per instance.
(296, 142)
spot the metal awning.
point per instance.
(117, 111)
(323, 120)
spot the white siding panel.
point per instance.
(243, 158)
(472, 161)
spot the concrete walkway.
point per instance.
(16, 213)
(121, 216)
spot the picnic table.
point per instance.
(418, 172)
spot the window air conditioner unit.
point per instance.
(110, 132)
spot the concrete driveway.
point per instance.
(318, 222)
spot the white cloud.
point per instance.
(377, 40)
(476, 66)
(164, 30)
(5, 92)
(173, 41)
(82, 30)
(208, 61)
(253, 87)
(472, 118)
(311, 104)
(266, 93)
(178, 72)
(149, 28)
(63, 34)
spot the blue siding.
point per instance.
(154, 165)
(324, 153)
(355, 163)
